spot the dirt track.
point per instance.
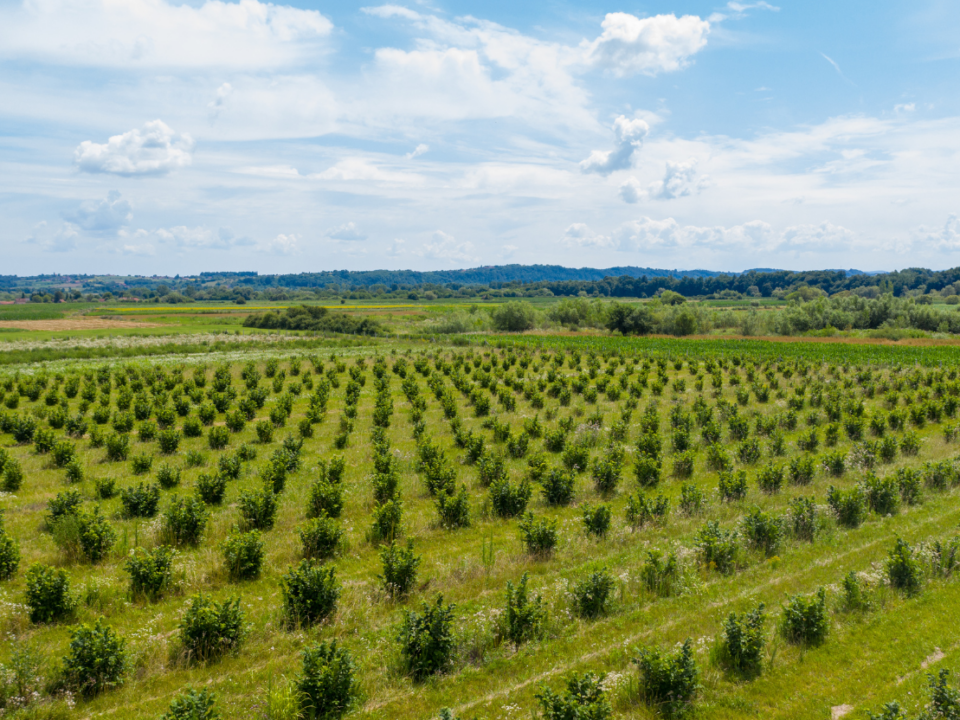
(75, 323)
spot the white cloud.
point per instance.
(446, 247)
(282, 245)
(348, 231)
(740, 7)
(631, 192)
(156, 33)
(580, 235)
(201, 237)
(154, 150)
(390, 11)
(812, 239)
(103, 217)
(360, 169)
(219, 98)
(945, 239)
(662, 43)
(678, 181)
(646, 234)
(143, 249)
(417, 151)
(60, 240)
(629, 136)
(276, 172)
(396, 247)
(905, 108)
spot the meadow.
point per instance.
(485, 526)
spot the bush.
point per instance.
(648, 471)
(660, 575)
(426, 639)
(904, 569)
(12, 476)
(141, 463)
(326, 498)
(185, 520)
(882, 494)
(326, 686)
(140, 501)
(509, 499)
(399, 569)
(151, 571)
(523, 617)
(803, 518)
(641, 511)
(118, 447)
(192, 428)
(218, 438)
(558, 487)
(258, 508)
(168, 440)
(208, 629)
(65, 503)
(763, 532)
(592, 593)
(805, 620)
(168, 476)
(802, 470)
(539, 535)
(513, 317)
(596, 520)
(243, 554)
(387, 521)
(9, 554)
(454, 509)
(264, 429)
(669, 681)
(96, 660)
(95, 536)
(732, 485)
(48, 594)
(740, 647)
(321, 537)
(310, 592)
(211, 488)
(770, 478)
(850, 506)
(193, 705)
(691, 499)
(718, 549)
(583, 698)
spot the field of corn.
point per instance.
(584, 528)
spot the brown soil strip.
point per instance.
(75, 323)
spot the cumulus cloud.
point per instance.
(55, 240)
(647, 234)
(945, 239)
(825, 237)
(201, 238)
(662, 43)
(156, 33)
(580, 235)
(282, 245)
(678, 181)
(629, 135)
(360, 169)
(153, 150)
(348, 231)
(446, 247)
(102, 217)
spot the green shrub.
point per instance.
(648, 470)
(208, 628)
(427, 641)
(669, 681)
(641, 510)
(151, 571)
(523, 616)
(327, 686)
(118, 447)
(741, 642)
(264, 429)
(147, 430)
(853, 594)
(326, 498)
(168, 476)
(48, 594)
(803, 518)
(211, 488)
(592, 593)
(596, 520)
(770, 478)
(258, 508)
(218, 438)
(802, 469)
(719, 549)
(583, 698)
(732, 485)
(310, 592)
(662, 575)
(387, 521)
(96, 659)
(321, 537)
(882, 494)
(558, 487)
(140, 501)
(453, 509)
(850, 506)
(74, 472)
(63, 453)
(141, 463)
(184, 521)
(805, 620)
(65, 503)
(509, 499)
(9, 554)
(692, 499)
(763, 532)
(399, 569)
(12, 476)
(192, 704)
(168, 440)
(192, 428)
(539, 535)
(243, 554)
(95, 535)
(904, 569)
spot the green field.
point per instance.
(465, 436)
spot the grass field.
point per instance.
(577, 423)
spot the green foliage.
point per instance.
(321, 537)
(9, 553)
(310, 592)
(524, 616)
(662, 575)
(669, 681)
(427, 641)
(184, 521)
(211, 488)
(805, 620)
(209, 629)
(584, 699)
(193, 704)
(740, 647)
(140, 501)
(903, 568)
(387, 521)
(508, 498)
(539, 535)
(763, 532)
(558, 486)
(591, 594)
(258, 508)
(96, 659)
(313, 319)
(732, 485)
(719, 549)
(399, 569)
(48, 597)
(95, 535)
(151, 571)
(596, 520)
(218, 437)
(327, 685)
(453, 509)
(243, 554)
(850, 506)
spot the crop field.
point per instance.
(553, 527)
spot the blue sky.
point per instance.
(150, 137)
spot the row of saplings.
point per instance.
(327, 688)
